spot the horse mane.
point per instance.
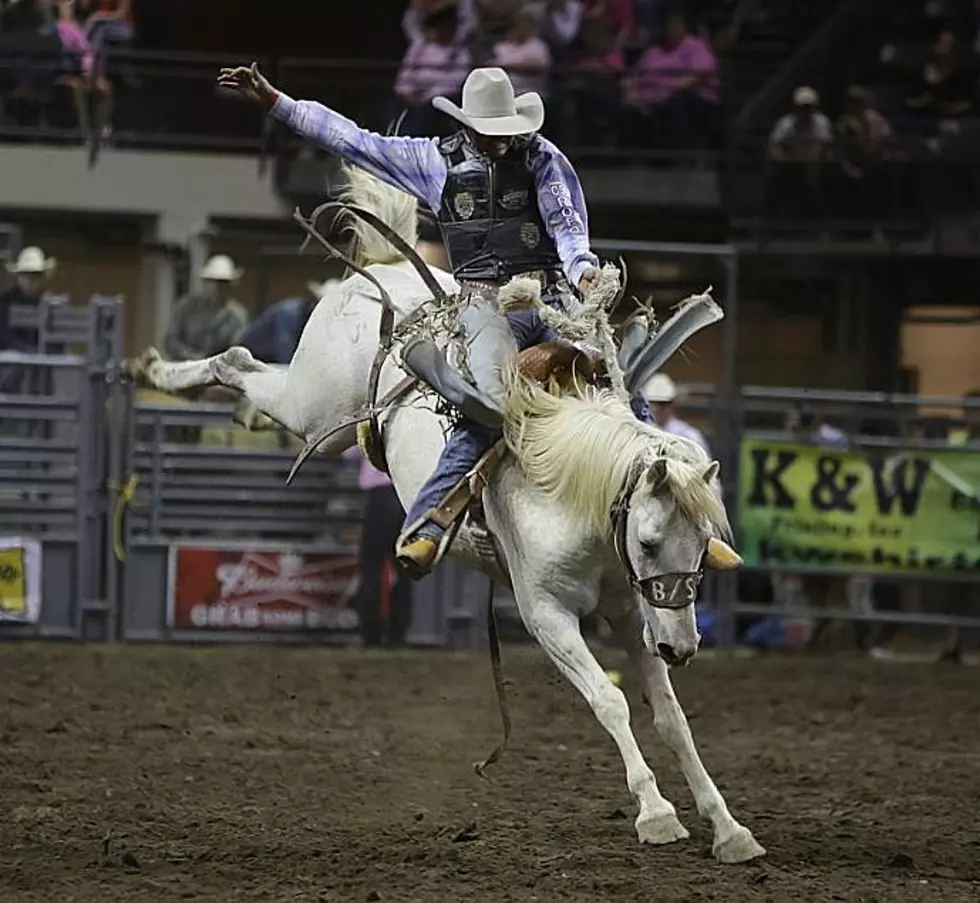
(605, 440)
(391, 205)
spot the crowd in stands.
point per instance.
(921, 105)
(640, 72)
(50, 49)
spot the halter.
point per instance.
(670, 591)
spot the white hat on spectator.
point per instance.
(221, 268)
(660, 389)
(32, 260)
(319, 289)
(490, 107)
(805, 96)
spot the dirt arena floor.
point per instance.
(311, 774)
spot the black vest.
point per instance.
(489, 214)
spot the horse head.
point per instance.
(668, 523)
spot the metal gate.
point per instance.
(55, 457)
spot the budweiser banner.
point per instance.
(235, 588)
(20, 580)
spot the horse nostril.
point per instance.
(666, 652)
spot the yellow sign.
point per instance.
(807, 507)
(13, 582)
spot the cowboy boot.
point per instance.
(415, 557)
(692, 316)
(633, 336)
(424, 359)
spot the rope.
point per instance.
(126, 497)
(499, 686)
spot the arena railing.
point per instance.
(161, 99)
(169, 99)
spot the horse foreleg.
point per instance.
(235, 368)
(557, 630)
(732, 842)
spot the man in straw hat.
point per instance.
(210, 322)
(31, 271)
(508, 203)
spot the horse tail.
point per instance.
(396, 208)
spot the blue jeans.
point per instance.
(469, 441)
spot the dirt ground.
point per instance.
(315, 774)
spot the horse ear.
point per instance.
(711, 471)
(657, 474)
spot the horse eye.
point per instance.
(650, 547)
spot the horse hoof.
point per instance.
(740, 846)
(661, 829)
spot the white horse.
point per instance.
(548, 506)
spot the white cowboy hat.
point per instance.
(660, 389)
(805, 96)
(319, 289)
(490, 107)
(32, 260)
(221, 268)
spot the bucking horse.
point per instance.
(581, 508)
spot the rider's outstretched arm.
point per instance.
(413, 165)
(562, 206)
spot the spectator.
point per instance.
(210, 322)
(109, 22)
(606, 27)
(434, 65)
(661, 392)
(590, 99)
(273, 337)
(558, 23)
(675, 90)
(79, 76)
(31, 272)
(29, 50)
(383, 516)
(524, 56)
(495, 18)
(865, 142)
(798, 144)
(803, 136)
(946, 88)
(805, 425)
(418, 10)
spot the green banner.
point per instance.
(807, 507)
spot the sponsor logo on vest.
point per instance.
(530, 235)
(515, 199)
(464, 204)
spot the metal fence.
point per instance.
(125, 518)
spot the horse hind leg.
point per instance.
(263, 385)
(732, 842)
(558, 632)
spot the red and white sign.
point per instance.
(262, 589)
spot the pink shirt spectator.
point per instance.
(618, 14)
(430, 69)
(74, 39)
(512, 57)
(369, 477)
(661, 73)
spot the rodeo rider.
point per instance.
(508, 202)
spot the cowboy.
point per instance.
(661, 393)
(210, 322)
(31, 272)
(507, 201)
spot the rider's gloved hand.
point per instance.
(588, 280)
(250, 83)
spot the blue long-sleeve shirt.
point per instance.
(415, 166)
